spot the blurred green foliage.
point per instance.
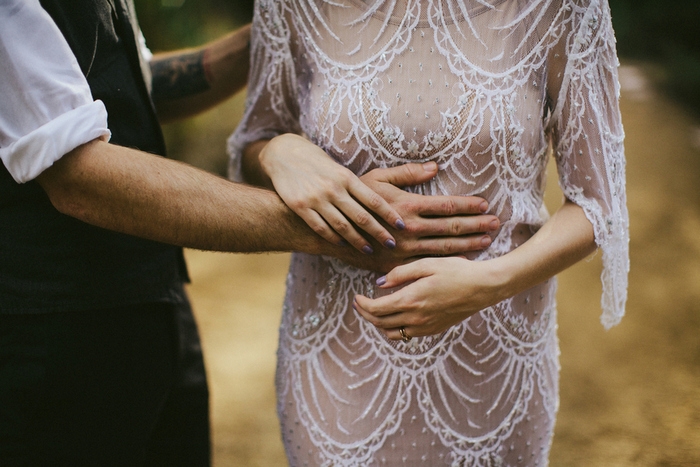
(174, 24)
(668, 33)
(663, 31)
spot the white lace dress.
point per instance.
(482, 87)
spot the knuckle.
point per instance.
(346, 177)
(319, 229)
(375, 201)
(373, 320)
(484, 225)
(455, 227)
(412, 229)
(328, 192)
(298, 204)
(449, 207)
(411, 170)
(341, 226)
(363, 218)
(473, 243)
(447, 247)
(422, 321)
(412, 206)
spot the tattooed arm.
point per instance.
(191, 81)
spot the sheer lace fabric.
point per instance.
(485, 89)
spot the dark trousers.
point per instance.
(118, 387)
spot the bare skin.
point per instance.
(336, 204)
(152, 197)
(187, 82)
(441, 292)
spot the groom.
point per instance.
(99, 356)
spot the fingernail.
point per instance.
(343, 243)
(367, 250)
(400, 225)
(494, 224)
(381, 280)
(484, 206)
(391, 244)
(430, 166)
(354, 306)
(485, 241)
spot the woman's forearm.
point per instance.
(251, 167)
(561, 242)
(441, 292)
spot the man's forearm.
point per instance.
(152, 197)
(190, 81)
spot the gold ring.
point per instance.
(404, 337)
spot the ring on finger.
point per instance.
(404, 337)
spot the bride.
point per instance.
(446, 360)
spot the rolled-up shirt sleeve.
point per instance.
(46, 108)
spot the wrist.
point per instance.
(272, 149)
(499, 274)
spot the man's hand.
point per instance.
(433, 294)
(337, 205)
(435, 225)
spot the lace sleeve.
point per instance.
(271, 107)
(588, 143)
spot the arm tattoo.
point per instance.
(179, 76)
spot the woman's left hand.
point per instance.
(438, 293)
(441, 292)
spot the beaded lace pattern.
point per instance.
(487, 89)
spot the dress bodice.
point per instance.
(483, 87)
(487, 89)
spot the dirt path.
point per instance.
(629, 397)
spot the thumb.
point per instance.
(407, 174)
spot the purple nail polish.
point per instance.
(400, 225)
(381, 281)
(390, 243)
(342, 243)
(367, 250)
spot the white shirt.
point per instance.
(46, 107)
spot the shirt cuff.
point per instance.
(33, 153)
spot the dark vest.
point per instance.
(52, 262)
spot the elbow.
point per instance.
(61, 183)
(64, 197)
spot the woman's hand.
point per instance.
(441, 292)
(333, 201)
(329, 197)
(437, 294)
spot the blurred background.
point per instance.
(629, 396)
